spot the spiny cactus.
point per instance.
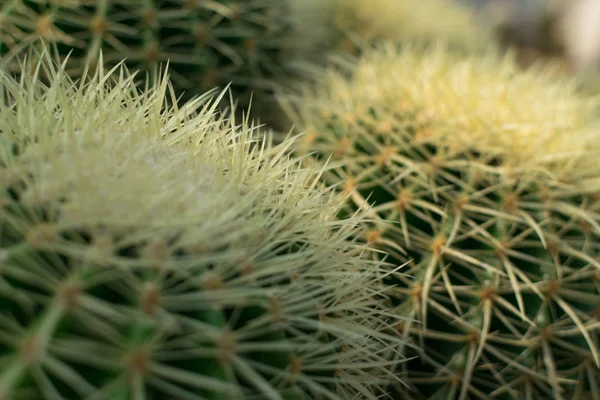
(486, 177)
(151, 252)
(207, 43)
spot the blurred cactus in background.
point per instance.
(345, 25)
(207, 43)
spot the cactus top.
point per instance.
(530, 118)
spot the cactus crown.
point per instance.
(528, 118)
(151, 251)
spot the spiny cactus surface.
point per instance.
(486, 177)
(156, 252)
(207, 43)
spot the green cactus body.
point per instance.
(156, 252)
(485, 178)
(207, 43)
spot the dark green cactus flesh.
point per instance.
(503, 284)
(207, 43)
(153, 253)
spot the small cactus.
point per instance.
(153, 251)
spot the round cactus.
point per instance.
(207, 43)
(151, 252)
(485, 177)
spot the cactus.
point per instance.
(207, 43)
(348, 25)
(485, 177)
(152, 251)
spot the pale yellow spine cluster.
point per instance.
(486, 101)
